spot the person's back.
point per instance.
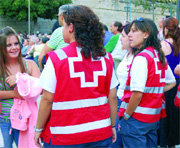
(81, 86)
(172, 59)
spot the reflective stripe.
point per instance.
(178, 95)
(61, 54)
(143, 110)
(81, 127)
(148, 52)
(79, 103)
(153, 90)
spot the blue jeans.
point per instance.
(8, 138)
(103, 144)
(135, 133)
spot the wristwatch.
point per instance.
(38, 130)
(126, 115)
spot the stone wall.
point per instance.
(116, 10)
(43, 25)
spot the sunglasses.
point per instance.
(140, 19)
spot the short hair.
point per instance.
(63, 9)
(45, 39)
(119, 25)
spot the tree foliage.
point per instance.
(164, 5)
(18, 9)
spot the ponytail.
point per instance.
(176, 41)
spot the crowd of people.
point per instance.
(99, 88)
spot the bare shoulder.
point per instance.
(33, 68)
(30, 63)
(166, 47)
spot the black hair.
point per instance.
(105, 28)
(119, 25)
(89, 32)
(45, 39)
(126, 28)
(147, 25)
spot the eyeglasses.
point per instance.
(140, 19)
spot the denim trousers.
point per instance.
(8, 135)
(138, 134)
(99, 144)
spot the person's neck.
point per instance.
(72, 40)
(12, 62)
(117, 33)
(129, 53)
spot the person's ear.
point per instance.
(71, 28)
(146, 35)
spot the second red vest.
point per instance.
(150, 106)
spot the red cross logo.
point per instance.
(87, 70)
(158, 70)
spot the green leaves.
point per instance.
(164, 5)
(46, 9)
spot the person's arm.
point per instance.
(138, 74)
(6, 94)
(133, 102)
(169, 86)
(43, 113)
(44, 51)
(169, 80)
(177, 70)
(49, 86)
(112, 100)
(33, 69)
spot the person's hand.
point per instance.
(37, 139)
(40, 59)
(17, 95)
(11, 80)
(114, 135)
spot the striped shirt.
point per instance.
(7, 103)
(57, 41)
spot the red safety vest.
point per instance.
(150, 106)
(80, 111)
(177, 98)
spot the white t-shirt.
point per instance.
(122, 74)
(48, 78)
(139, 73)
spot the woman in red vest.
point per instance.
(79, 105)
(140, 110)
